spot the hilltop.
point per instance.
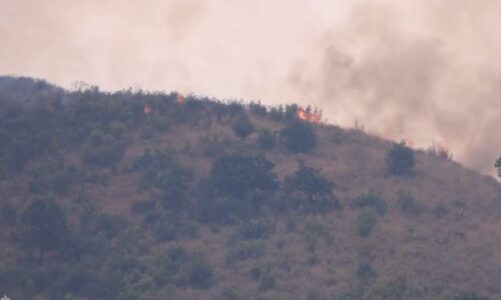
(142, 195)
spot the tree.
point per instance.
(266, 139)
(310, 190)
(236, 188)
(365, 272)
(243, 127)
(470, 296)
(299, 137)
(237, 175)
(400, 160)
(44, 227)
(498, 166)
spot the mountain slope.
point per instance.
(167, 197)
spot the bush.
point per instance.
(110, 225)
(230, 294)
(196, 273)
(365, 272)
(308, 189)
(183, 269)
(252, 231)
(245, 250)
(400, 160)
(44, 227)
(300, 137)
(498, 166)
(470, 296)
(440, 210)
(175, 187)
(243, 127)
(266, 139)
(167, 229)
(373, 200)
(409, 205)
(366, 223)
(9, 214)
(267, 283)
(141, 207)
(394, 289)
(237, 175)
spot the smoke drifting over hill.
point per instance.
(424, 71)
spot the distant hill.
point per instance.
(134, 195)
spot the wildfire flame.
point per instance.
(309, 116)
(147, 109)
(180, 99)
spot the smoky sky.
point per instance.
(424, 70)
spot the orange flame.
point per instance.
(306, 115)
(147, 109)
(180, 99)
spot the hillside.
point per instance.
(135, 195)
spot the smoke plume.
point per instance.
(427, 71)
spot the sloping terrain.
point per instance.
(134, 195)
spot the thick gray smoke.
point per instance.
(424, 70)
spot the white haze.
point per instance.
(424, 70)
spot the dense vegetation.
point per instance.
(133, 195)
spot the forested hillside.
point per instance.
(152, 196)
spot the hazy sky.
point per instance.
(424, 70)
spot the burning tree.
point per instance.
(309, 114)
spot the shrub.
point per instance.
(183, 269)
(470, 296)
(44, 227)
(394, 289)
(230, 294)
(266, 139)
(196, 273)
(9, 214)
(366, 222)
(373, 200)
(213, 145)
(440, 210)
(365, 272)
(237, 175)
(110, 225)
(498, 166)
(245, 250)
(314, 295)
(257, 109)
(438, 151)
(168, 229)
(267, 283)
(409, 205)
(253, 231)
(400, 160)
(175, 187)
(243, 127)
(154, 160)
(300, 137)
(316, 229)
(308, 189)
(141, 207)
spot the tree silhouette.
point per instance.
(44, 227)
(300, 137)
(498, 166)
(400, 160)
